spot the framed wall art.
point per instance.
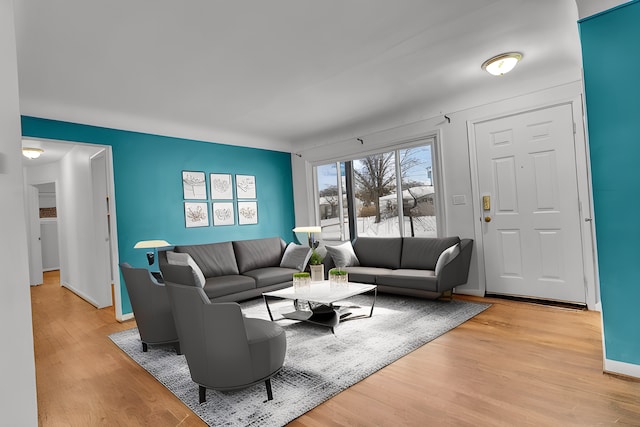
(196, 214)
(247, 213)
(194, 185)
(223, 213)
(245, 186)
(221, 187)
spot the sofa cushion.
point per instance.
(225, 285)
(271, 275)
(446, 256)
(214, 259)
(410, 278)
(366, 274)
(258, 253)
(175, 258)
(343, 255)
(422, 253)
(296, 256)
(379, 251)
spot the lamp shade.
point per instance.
(32, 153)
(147, 244)
(502, 64)
(308, 229)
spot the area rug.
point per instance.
(318, 364)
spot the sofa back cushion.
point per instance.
(258, 253)
(421, 253)
(214, 259)
(378, 251)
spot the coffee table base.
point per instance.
(322, 314)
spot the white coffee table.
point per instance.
(322, 297)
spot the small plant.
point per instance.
(316, 258)
(301, 275)
(337, 272)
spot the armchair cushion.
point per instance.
(176, 258)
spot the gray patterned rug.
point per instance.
(318, 364)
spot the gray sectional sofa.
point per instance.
(244, 269)
(233, 271)
(406, 265)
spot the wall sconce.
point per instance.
(311, 234)
(32, 153)
(151, 244)
(501, 64)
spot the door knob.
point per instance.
(487, 219)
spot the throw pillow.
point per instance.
(343, 255)
(446, 256)
(296, 256)
(177, 258)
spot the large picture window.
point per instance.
(385, 194)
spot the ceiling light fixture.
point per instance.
(32, 153)
(501, 64)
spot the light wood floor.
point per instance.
(516, 364)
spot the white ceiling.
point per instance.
(282, 74)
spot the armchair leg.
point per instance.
(145, 347)
(269, 392)
(203, 394)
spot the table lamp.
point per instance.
(311, 234)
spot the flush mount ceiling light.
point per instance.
(502, 64)
(32, 153)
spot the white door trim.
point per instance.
(584, 192)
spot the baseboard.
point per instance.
(475, 293)
(80, 294)
(621, 368)
(125, 317)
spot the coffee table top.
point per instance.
(322, 292)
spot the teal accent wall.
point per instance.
(611, 60)
(148, 186)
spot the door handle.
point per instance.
(487, 219)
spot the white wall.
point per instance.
(18, 405)
(456, 161)
(592, 7)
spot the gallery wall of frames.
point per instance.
(219, 199)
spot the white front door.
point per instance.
(530, 213)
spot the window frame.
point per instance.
(432, 139)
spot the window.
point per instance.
(383, 188)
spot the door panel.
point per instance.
(531, 233)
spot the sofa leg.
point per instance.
(176, 345)
(269, 391)
(448, 295)
(202, 391)
(145, 347)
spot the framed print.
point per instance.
(221, 187)
(223, 213)
(247, 213)
(194, 185)
(196, 214)
(245, 186)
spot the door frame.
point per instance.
(585, 207)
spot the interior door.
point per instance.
(102, 253)
(35, 244)
(529, 197)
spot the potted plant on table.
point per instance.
(316, 266)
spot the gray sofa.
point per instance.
(233, 271)
(407, 265)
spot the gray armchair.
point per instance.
(225, 350)
(151, 307)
